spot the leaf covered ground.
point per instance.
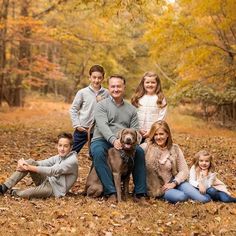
(31, 131)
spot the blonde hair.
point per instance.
(196, 161)
(140, 91)
(157, 125)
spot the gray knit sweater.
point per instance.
(62, 172)
(83, 106)
(110, 119)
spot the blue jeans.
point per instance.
(217, 195)
(183, 192)
(80, 139)
(99, 150)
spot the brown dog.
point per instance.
(121, 163)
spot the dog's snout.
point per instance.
(128, 139)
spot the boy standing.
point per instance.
(83, 106)
(53, 176)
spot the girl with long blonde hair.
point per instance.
(150, 102)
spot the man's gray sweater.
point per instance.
(110, 119)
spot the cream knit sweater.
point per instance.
(149, 112)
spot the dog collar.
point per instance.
(126, 157)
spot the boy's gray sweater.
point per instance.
(62, 172)
(83, 106)
(110, 119)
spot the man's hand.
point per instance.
(82, 129)
(169, 186)
(117, 144)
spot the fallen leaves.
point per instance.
(79, 215)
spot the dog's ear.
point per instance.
(119, 134)
(139, 137)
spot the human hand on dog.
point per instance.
(143, 132)
(168, 186)
(117, 144)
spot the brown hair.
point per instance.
(67, 136)
(117, 76)
(155, 126)
(97, 68)
(140, 91)
(196, 160)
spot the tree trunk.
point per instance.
(3, 31)
(24, 56)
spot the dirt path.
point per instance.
(31, 132)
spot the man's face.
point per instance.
(96, 79)
(116, 88)
(63, 147)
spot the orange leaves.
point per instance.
(30, 132)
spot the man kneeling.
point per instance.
(53, 176)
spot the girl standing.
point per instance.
(150, 102)
(166, 167)
(203, 177)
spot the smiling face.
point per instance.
(160, 137)
(96, 79)
(204, 162)
(64, 147)
(150, 85)
(116, 88)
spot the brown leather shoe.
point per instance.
(142, 201)
(112, 198)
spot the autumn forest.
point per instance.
(48, 46)
(46, 50)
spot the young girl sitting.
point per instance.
(150, 102)
(203, 177)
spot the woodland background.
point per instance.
(48, 47)
(46, 50)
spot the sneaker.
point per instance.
(3, 189)
(13, 192)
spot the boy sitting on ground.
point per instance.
(53, 176)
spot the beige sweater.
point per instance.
(164, 165)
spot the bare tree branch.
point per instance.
(164, 74)
(49, 9)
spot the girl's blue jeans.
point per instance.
(217, 195)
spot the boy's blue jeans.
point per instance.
(217, 195)
(99, 150)
(183, 192)
(80, 139)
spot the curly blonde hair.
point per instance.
(140, 91)
(196, 158)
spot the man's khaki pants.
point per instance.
(43, 188)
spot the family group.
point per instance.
(160, 169)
